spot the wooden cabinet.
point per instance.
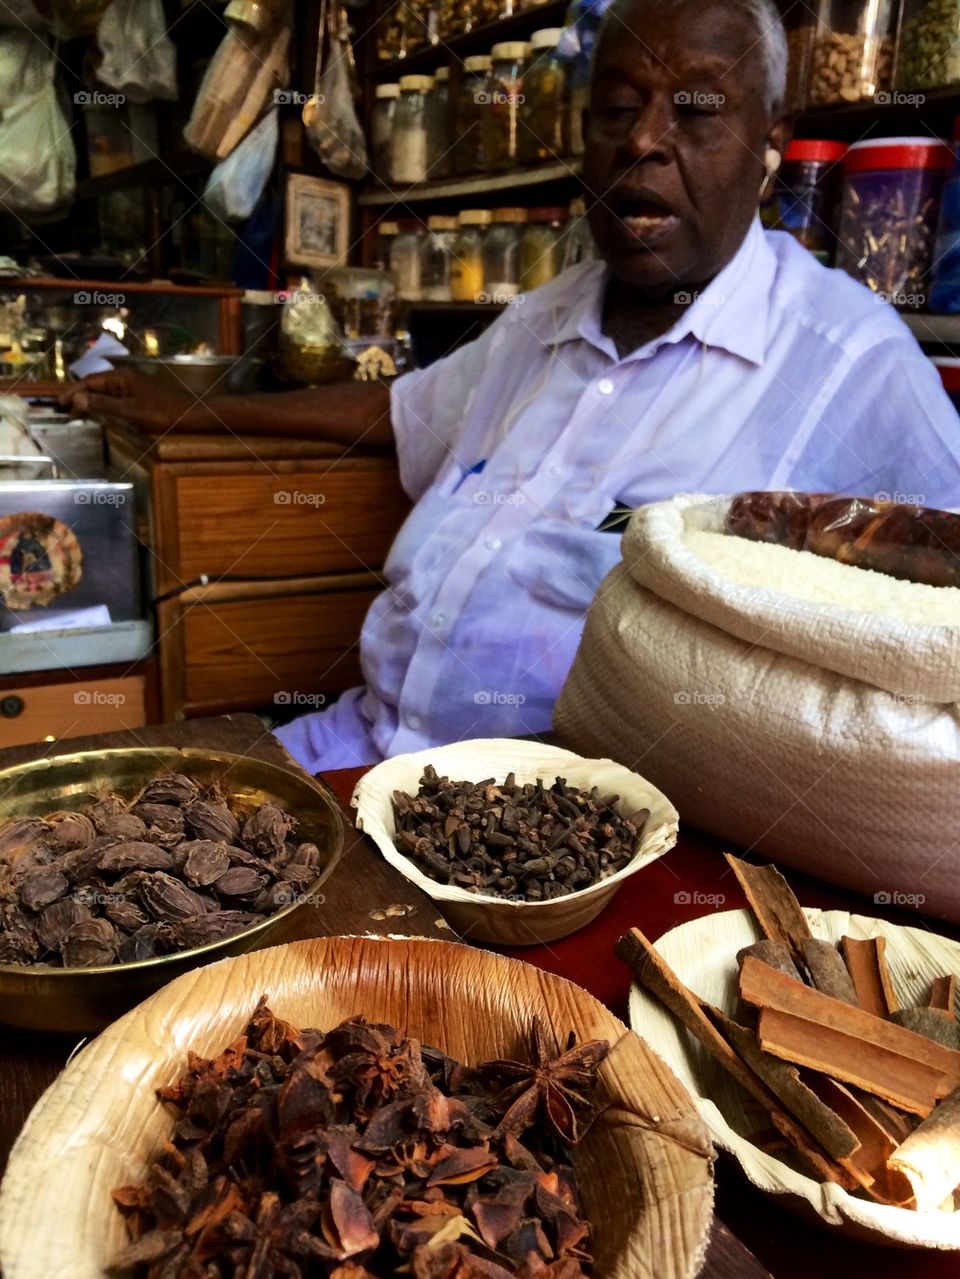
(33, 709)
(264, 556)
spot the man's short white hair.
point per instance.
(771, 37)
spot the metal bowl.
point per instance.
(79, 1000)
(199, 375)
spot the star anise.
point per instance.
(548, 1086)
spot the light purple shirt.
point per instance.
(781, 374)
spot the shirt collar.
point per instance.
(732, 313)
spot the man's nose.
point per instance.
(649, 134)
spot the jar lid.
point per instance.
(509, 215)
(816, 149)
(441, 74)
(898, 153)
(546, 37)
(440, 222)
(416, 83)
(477, 62)
(510, 51)
(388, 228)
(949, 369)
(475, 217)
(388, 91)
(548, 213)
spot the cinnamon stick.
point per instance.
(867, 964)
(772, 901)
(875, 1145)
(827, 970)
(930, 1023)
(908, 1083)
(774, 953)
(655, 975)
(943, 995)
(930, 1157)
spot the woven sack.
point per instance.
(824, 738)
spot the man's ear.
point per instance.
(780, 135)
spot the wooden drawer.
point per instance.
(280, 520)
(38, 712)
(243, 654)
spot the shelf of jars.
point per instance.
(481, 184)
(436, 46)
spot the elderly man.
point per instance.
(702, 354)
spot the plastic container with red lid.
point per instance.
(949, 369)
(888, 217)
(806, 195)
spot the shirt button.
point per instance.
(493, 543)
(438, 619)
(604, 386)
(413, 721)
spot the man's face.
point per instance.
(675, 140)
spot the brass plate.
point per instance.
(79, 1000)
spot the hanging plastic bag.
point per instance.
(139, 58)
(238, 85)
(330, 118)
(237, 183)
(38, 163)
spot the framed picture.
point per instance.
(317, 222)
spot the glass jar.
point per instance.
(405, 259)
(541, 133)
(806, 195)
(853, 50)
(381, 131)
(439, 158)
(466, 269)
(501, 255)
(541, 247)
(800, 21)
(457, 18)
(888, 218)
(424, 22)
(469, 107)
(578, 242)
(945, 294)
(387, 232)
(408, 150)
(929, 52)
(436, 253)
(501, 108)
